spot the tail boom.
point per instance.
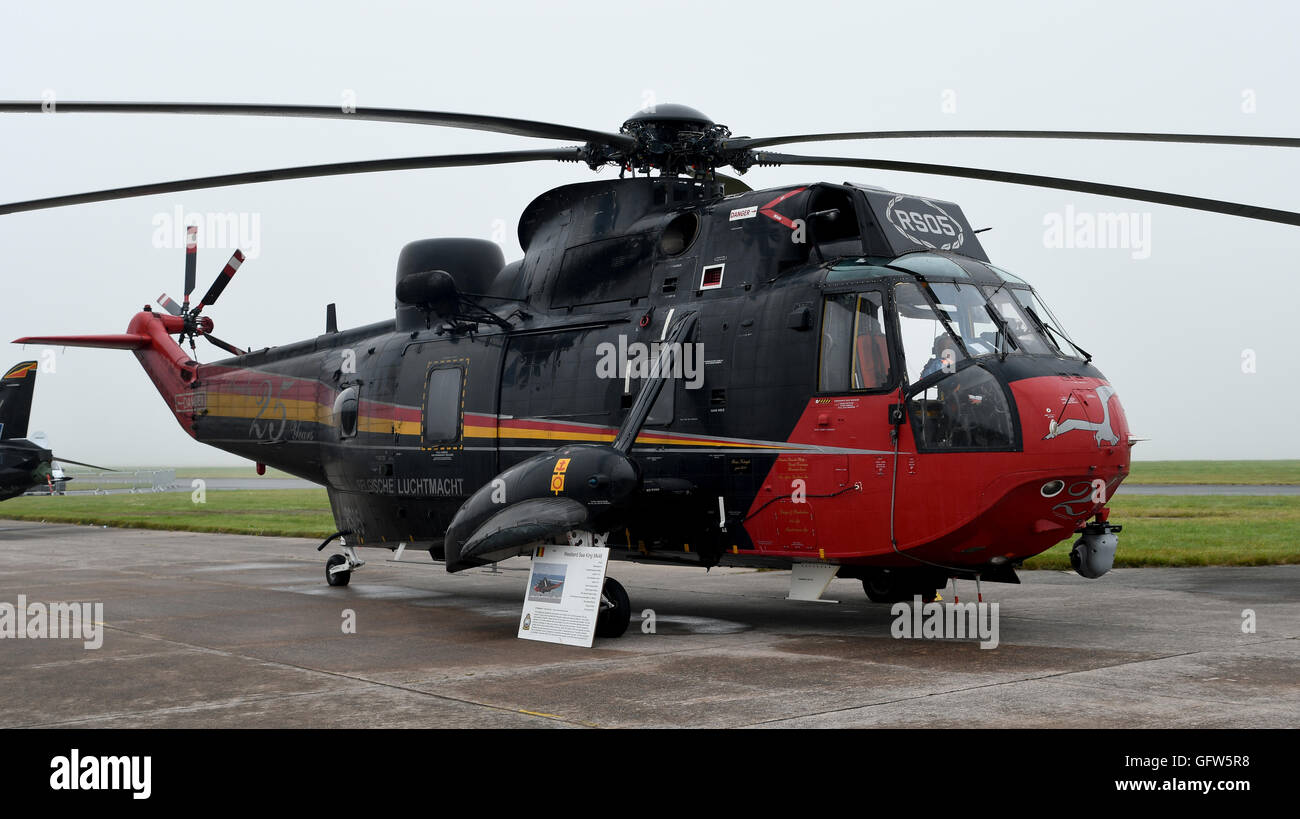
(148, 335)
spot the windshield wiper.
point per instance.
(1087, 356)
(928, 294)
(1004, 330)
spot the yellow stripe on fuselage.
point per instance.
(228, 405)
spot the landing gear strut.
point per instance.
(338, 569)
(615, 607)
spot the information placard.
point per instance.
(563, 595)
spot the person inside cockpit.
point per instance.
(945, 351)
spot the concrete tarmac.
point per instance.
(233, 631)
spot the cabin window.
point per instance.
(346, 412)
(854, 348)
(443, 405)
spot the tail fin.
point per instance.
(16, 390)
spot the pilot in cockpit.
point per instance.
(943, 345)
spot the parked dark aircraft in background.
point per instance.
(24, 462)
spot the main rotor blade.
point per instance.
(1101, 189)
(303, 172)
(474, 122)
(225, 345)
(1113, 136)
(77, 463)
(223, 278)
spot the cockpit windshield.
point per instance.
(942, 323)
(1028, 336)
(980, 311)
(1041, 314)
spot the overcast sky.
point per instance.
(1168, 318)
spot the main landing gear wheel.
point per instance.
(888, 587)
(341, 577)
(615, 610)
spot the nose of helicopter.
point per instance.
(1071, 412)
(1076, 443)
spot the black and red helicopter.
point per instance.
(687, 370)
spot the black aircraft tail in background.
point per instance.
(16, 390)
(25, 463)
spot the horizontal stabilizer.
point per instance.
(107, 341)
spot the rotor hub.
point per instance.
(674, 139)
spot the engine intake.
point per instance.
(432, 272)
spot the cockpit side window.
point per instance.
(854, 347)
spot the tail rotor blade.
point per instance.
(169, 305)
(191, 259)
(223, 278)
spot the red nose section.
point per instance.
(1071, 414)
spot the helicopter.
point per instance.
(830, 378)
(546, 585)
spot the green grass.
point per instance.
(277, 512)
(1238, 472)
(248, 471)
(1198, 530)
(1159, 530)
